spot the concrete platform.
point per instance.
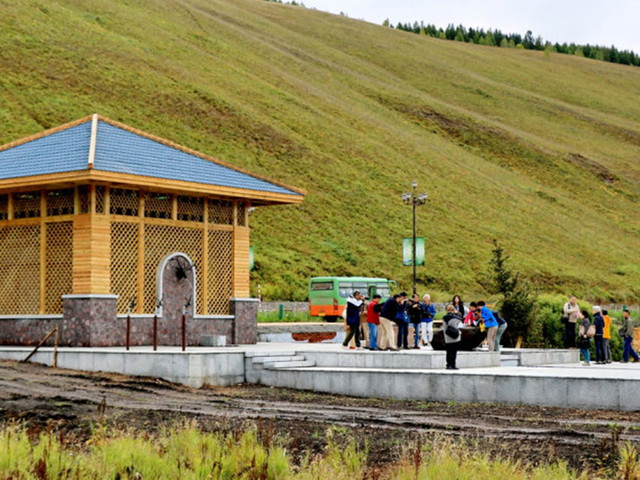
(533, 377)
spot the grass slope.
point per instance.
(539, 151)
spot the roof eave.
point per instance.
(65, 179)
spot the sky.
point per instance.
(610, 22)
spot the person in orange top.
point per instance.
(606, 335)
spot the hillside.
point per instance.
(539, 151)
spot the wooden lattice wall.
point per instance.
(37, 247)
(36, 244)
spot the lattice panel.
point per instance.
(160, 241)
(124, 263)
(220, 263)
(59, 264)
(190, 209)
(60, 202)
(220, 212)
(83, 198)
(242, 214)
(20, 267)
(123, 202)
(158, 205)
(4, 207)
(100, 198)
(26, 205)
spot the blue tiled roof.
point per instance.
(63, 151)
(121, 151)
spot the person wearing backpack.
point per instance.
(598, 322)
(584, 341)
(451, 324)
(626, 332)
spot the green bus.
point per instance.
(328, 295)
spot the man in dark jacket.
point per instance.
(386, 340)
(353, 318)
(598, 322)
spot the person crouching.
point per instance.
(451, 324)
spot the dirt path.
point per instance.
(72, 401)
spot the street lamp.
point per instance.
(414, 199)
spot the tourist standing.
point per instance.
(584, 342)
(598, 322)
(428, 314)
(373, 320)
(402, 321)
(572, 313)
(458, 304)
(627, 335)
(606, 336)
(386, 340)
(502, 326)
(354, 302)
(490, 323)
(451, 323)
(415, 318)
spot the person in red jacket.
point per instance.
(373, 320)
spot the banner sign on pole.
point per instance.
(407, 251)
(251, 263)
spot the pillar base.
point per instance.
(91, 321)
(245, 322)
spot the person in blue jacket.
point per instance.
(354, 303)
(428, 314)
(402, 321)
(490, 323)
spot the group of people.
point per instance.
(400, 311)
(600, 331)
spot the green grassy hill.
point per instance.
(539, 151)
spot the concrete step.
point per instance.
(277, 358)
(269, 353)
(286, 365)
(509, 360)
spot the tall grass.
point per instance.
(186, 452)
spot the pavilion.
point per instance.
(98, 220)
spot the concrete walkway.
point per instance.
(533, 377)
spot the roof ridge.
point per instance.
(45, 133)
(196, 153)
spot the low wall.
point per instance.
(31, 330)
(295, 307)
(205, 367)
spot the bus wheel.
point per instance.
(330, 319)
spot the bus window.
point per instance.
(318, 286)
(346, 288)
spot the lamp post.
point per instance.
(414, 199)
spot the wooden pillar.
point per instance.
(204, 281)
(240, 257)
(43, 254)
(140, 265)
(91, 253)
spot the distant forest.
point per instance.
(496, 38)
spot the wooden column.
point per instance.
(240, 257)
(91, 254)
(43, 253)
(204, 280)
(140, 265)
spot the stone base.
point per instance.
(245, 325)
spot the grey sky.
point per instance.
(611, 22)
